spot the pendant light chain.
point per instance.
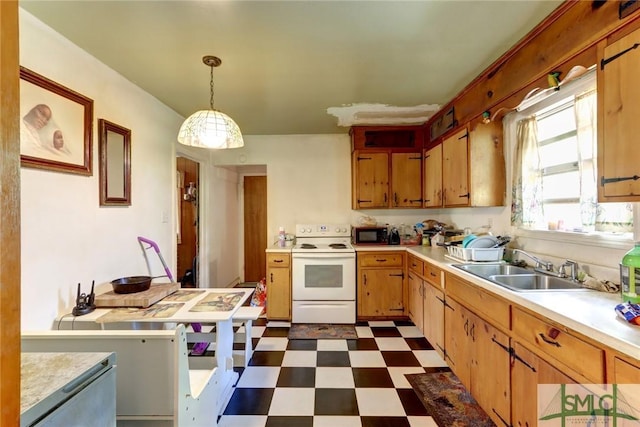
(211, 87)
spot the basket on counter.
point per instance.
(476, 254)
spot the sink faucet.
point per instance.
(573, 272)
(548, 266)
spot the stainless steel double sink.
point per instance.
(518, 278)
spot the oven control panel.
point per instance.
(323, 230)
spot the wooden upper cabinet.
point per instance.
(487, 178)
(386, 169)
(432, 184)
(618, 124)
(370, 180)
(455, 169)
(406, 176)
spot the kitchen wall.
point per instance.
(309, 181)
(66, 236)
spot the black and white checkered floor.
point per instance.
(333, 382)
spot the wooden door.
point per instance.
(406, 180)
(370, 180)
(279, 293)
(490, 376)
(9, 215)
(433, 317)
(455, 169)
(415, 305)
(433, 177)
(620, 108)
(255, 227)
(527, 371)
(187, 250)
(381, 292)
(457, 324)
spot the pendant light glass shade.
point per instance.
(210, 128)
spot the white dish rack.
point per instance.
(476, 254)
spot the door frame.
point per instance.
(204, 242)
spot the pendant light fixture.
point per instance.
(210, 128)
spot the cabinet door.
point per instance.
(455, 169)
(406, 180)
(527, 371)
(618, 122)
(370, 180)
(433, 177)
(457, 324)
(415, 306)
(490, 379)
(433, 318)
(278, 293)
(381, 292)
(487, 181)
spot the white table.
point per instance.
(222, 320)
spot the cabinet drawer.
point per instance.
(278, 260)
(433, 274)
(416, 265)
(625, 373)
(558, 343)
(482, 303)
(386, 259)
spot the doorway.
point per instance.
(187, 226)
(255, 226)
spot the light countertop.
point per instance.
(42, 374)
(588, 312)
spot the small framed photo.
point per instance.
(55, 126)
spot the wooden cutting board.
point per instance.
(138, 299)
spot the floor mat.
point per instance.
(448, 401)
(302, 331)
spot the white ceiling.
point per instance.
(284, 63)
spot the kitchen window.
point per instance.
(554, 184)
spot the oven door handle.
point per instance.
(314, 256)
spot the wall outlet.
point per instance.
(164, 217)
(490, 222)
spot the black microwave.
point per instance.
(369, 235)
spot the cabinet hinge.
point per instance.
(604, 180)
(415, 158)
(465, 195)
(514, 356)
(397, 275)
(605, 61)
(466, 135)
(364, 158)
(499, 416)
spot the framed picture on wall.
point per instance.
(55, 126)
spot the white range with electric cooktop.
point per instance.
(323, 274)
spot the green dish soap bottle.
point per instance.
(630, 275)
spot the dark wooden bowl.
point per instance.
(132, 284)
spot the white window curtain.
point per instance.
(585, 113)
(607, 217)
(526, 206)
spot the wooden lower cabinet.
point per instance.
(416, 300)
(527, 371)
(478, 353)
(381, 292)
(433, 317)
(279, 286)
(382, 289)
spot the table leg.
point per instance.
(224, 360)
